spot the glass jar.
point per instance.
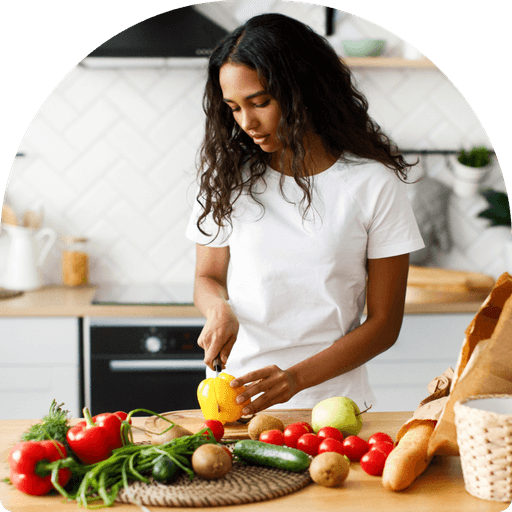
(75, 261)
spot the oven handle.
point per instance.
(180, 365)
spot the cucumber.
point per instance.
(271, 455)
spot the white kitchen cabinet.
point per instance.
(38, 363)
(427, 346)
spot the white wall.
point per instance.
(111, 153)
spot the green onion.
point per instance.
(132, 462)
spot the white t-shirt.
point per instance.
(298, 285)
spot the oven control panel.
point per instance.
(175, 341)
(154, 344)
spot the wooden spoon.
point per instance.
(8, 216)
(31, 219)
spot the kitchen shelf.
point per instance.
(388, 62)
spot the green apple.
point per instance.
(339, 412)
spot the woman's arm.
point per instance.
(211, 297)
(387, 284)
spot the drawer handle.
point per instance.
(152, 365)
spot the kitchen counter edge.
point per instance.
(57, 300)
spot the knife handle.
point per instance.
(217, 365)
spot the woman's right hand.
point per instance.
(219, 334)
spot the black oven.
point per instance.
(149, 363)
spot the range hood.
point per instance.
(182, 36)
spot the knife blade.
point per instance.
(217, 366)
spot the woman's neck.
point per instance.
(316, 160)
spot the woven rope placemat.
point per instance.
(243, 484)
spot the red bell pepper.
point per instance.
(94, 439)
(28, 463)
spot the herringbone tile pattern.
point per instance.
(112, 152)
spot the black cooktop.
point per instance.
(172, 294)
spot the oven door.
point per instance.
(155, 384)
(153, 364)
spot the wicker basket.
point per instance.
(484, 436)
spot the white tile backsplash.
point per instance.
(112, 156)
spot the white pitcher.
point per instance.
(24, 260)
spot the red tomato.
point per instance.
(292, 433)
(228, 450)
(216, 427)
(273, 436)
(373, 462)
(380, 437)
(355, 447)
(308, 426)
(331, 445)
(330, 432)
(385, 448)
(308, 443)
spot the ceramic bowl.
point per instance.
(363, 47)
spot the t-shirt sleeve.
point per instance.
(392, 229)
(213, 239)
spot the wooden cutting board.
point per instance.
(426, 285)
(449, 280)
(193, 420)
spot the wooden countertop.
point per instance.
(441, 487)
(77, 301)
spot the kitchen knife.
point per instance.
(217, 366)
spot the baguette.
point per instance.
(409, 458)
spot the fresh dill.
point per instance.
(54, 426)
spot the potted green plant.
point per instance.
(498, 210)
(498, 215)
(470, 169)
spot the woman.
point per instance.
(302, 197)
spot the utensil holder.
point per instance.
(485, 445)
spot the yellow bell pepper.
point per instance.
(217, 399)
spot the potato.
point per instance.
(211, 461)
(329, 469)
(173, 433)
(262, 422)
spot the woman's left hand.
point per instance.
(275, 385)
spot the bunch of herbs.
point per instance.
(54, 426)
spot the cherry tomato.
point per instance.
(308, 443)
(228, 450)
(216, 427)
(330, 432)
(273, 436)
(373, 462)
(385, 448)
(330, 444)
(292, 433)
(379, 437)
(308, 426)
(355, 447)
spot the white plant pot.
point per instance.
(467, 180)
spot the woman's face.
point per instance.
(254, 110)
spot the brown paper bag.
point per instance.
(484, 365)
(430, 409)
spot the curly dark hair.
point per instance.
(314, 90)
